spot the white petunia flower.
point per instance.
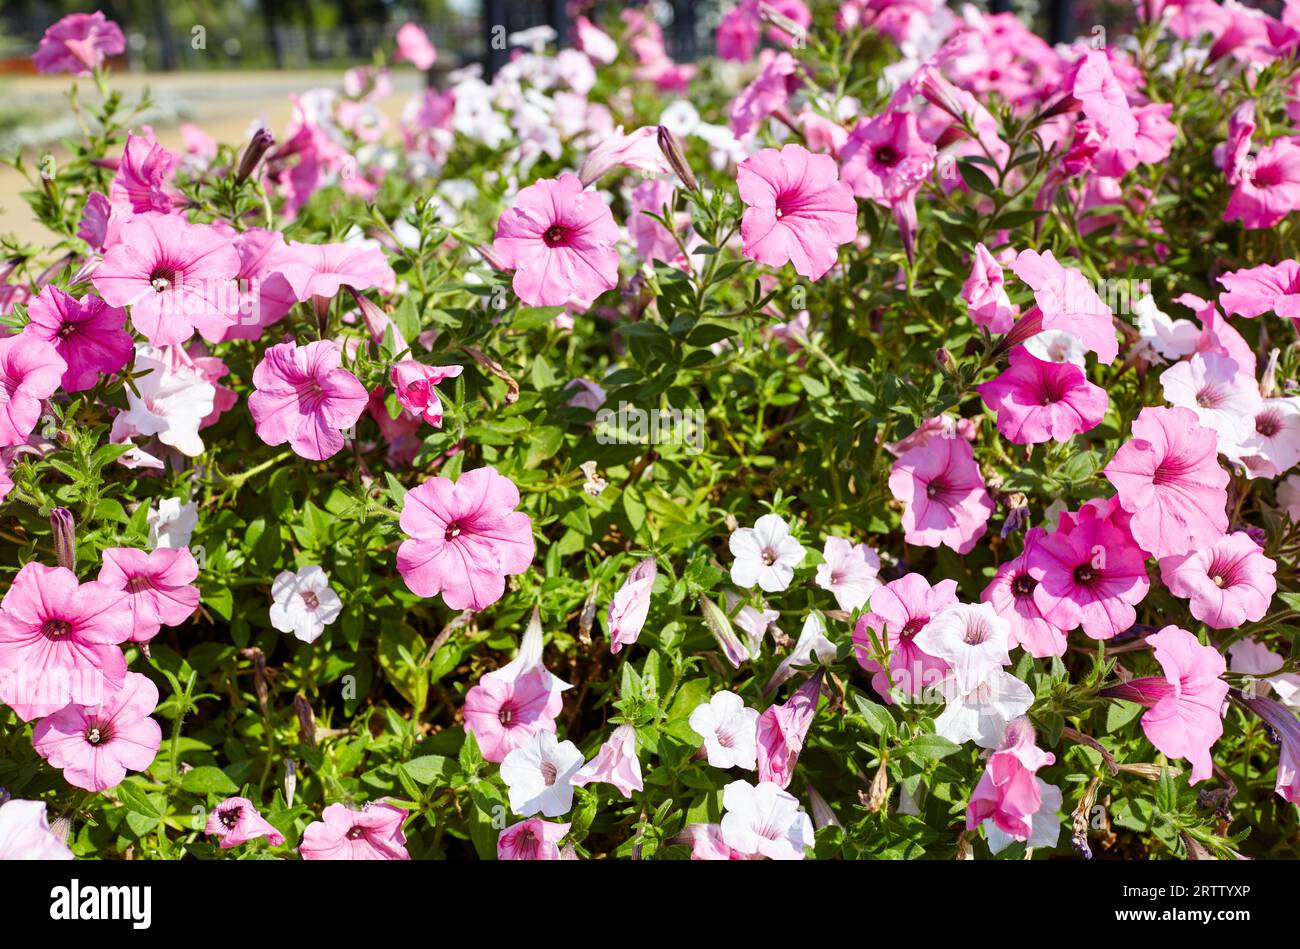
(982, 714)
(172, 523)
(304, 603)
(765, 554)
(729, 730)
(539, 774)
(849, 572)
(172, 401)
(765, 821)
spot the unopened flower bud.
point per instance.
(672, 150)
(258, 146)
(1067, 103)
(945, 360)
(720, 626)
(65, 537)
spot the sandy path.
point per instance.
(223, 104)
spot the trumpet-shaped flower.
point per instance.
(304, 397)
(942, 490)
(1227, 583)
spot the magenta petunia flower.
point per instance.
(1256, 290)
(1169, 478)
(1227, 583)
(1038, 401)
(504, 714)
(985, 293)
(899, 610)
(886, 159)
(174, 276)
(96, 745)
(465, 538)
(159, 586)
(58, 641)
(782, 730)
(1007, 791)
(1269, 187)
(532, 839)
(321, 270)
(78, 43)
(143, 178)
(1186, 703)
(30, 370)
(413, 384)
(236, 821)
(615, 763)
(1068, 302)
(943, 494)
(1011, 594)
(559, 239)
(372, 833)
(1093, 575)
(89, 335)
(796, 209)
(302, 396)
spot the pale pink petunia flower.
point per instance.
(78, 44)
(1167, 476)
(236, 821)
(143, 182)
(1162, 337)
(1272, 445)
(1185, 716)
(797, 209)
(1269, 187)
(322, 270)
(848, 570)
(638, 149)
(1011, 594)
(1038, 401)
(30, 370)
(304, 603)
(1264, 667)
(943, 493)
(176, 277)
(630, 605)
(25, 833)
(1007, 792)
(595, 42)
(413, 384)
(88, 334)
(464, 539)
(899, 610)
(159, 586)
(414, 47)
(770, 91)
(985, 293)
(706, 843)
(1092, 575)
(812, 646)
(729, 730)
(343, 833)
(615, 763)
(171, 400)
(1104, 101)
(559, 239)
(302, 396)
(1253, 291)
(1068, 302)
(96, 745)
(766, 554)
(1227, 583)
(1285, 725)
(764, 821)
(971, 638)
(504, 715)
(586, 394)
(781, 732)
(1223, 397)
(653, 241)
(532, 839)
(58, 640)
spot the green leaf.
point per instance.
(208, 780)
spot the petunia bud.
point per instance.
(258, 146)
(1067, 103)
(776, 18)
(306, 720)
(65, 537)
(720, 626)
(290, 781)
(672, 150)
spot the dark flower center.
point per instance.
(98, 733)
(1268, 424)
(506, 715)
(68, 330)
(549, 772)
(310, 599)
(556, 235)
(1023, 586)
(55, 628)
(768, 556)
(885, 155)
(163, 278)
(137, 584)
(452, 532)
(230, 816)
(1084, 574)
(356, 833)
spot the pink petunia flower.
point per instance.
(1168, 477)
(899, 610)
(653, 241)
(1104, 101)
(739, 32)
(615, 763)
(1256, 290)
(58, 641)
(595, 42)
(25, 833)
(985, 293)
(321, 270)
(265, 296)
(503, 715)
(945, 502)
(777, 79)
(30, 370)
(1185, 716)
(706, 843)
(631, 605)
(1007, 791)
(414, 47)
(413, 384)
(96, 745)
(1093, 575)
(782, 730)
(302, 396)
(78, 43)
(1222, 397)
(236, 821)
(159, 586)
(1269, 187)
(848, 571)
(1011, 594)
(1038, 401)
(372, 833)
(88, 334)
(144, 176)
(638, 149)
(176, 277)
(1227, 583)
(796, 209)
(465, 538)
(532, 839)
(1068, 302)
(559, 239)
